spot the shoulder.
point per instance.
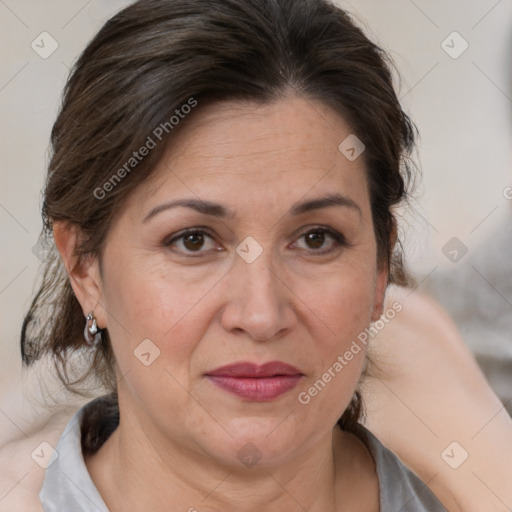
(421, 323)
(375, 479)
(76, 491)
(23, 464)
(422, 341)
(400, 488)
(427, 392)
(33, 453)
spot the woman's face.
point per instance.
(265, 278)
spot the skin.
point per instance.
(433, 389)
(180, 434)
(398, 393)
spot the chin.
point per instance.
(264, 441)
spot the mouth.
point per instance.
(256, 383)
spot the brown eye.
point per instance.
(191, 241)
(316, 238)
(196, 241)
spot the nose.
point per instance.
(259, 302)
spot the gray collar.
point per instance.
(68, 486)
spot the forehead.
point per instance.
(243, 153)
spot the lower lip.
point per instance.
(257, 389)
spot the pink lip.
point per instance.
(258, 383)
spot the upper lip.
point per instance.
(248, 369)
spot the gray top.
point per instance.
(68, 486)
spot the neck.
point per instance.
(139, 468)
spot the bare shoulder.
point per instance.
(429, 402)
(421, 326)
(22, 465)
(422, 352)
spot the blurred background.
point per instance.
(454, 59)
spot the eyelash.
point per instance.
(339, 239)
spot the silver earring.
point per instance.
(91, 332)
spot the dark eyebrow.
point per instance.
(217, 210)
(324, 202)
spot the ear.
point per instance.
(381, 282)
(84, 274)
(380, 292)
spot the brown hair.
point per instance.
(141, 69)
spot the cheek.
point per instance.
(148, 300)
(341, 304)
(341, 298)
(154, 332)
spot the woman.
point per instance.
(220, 192)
